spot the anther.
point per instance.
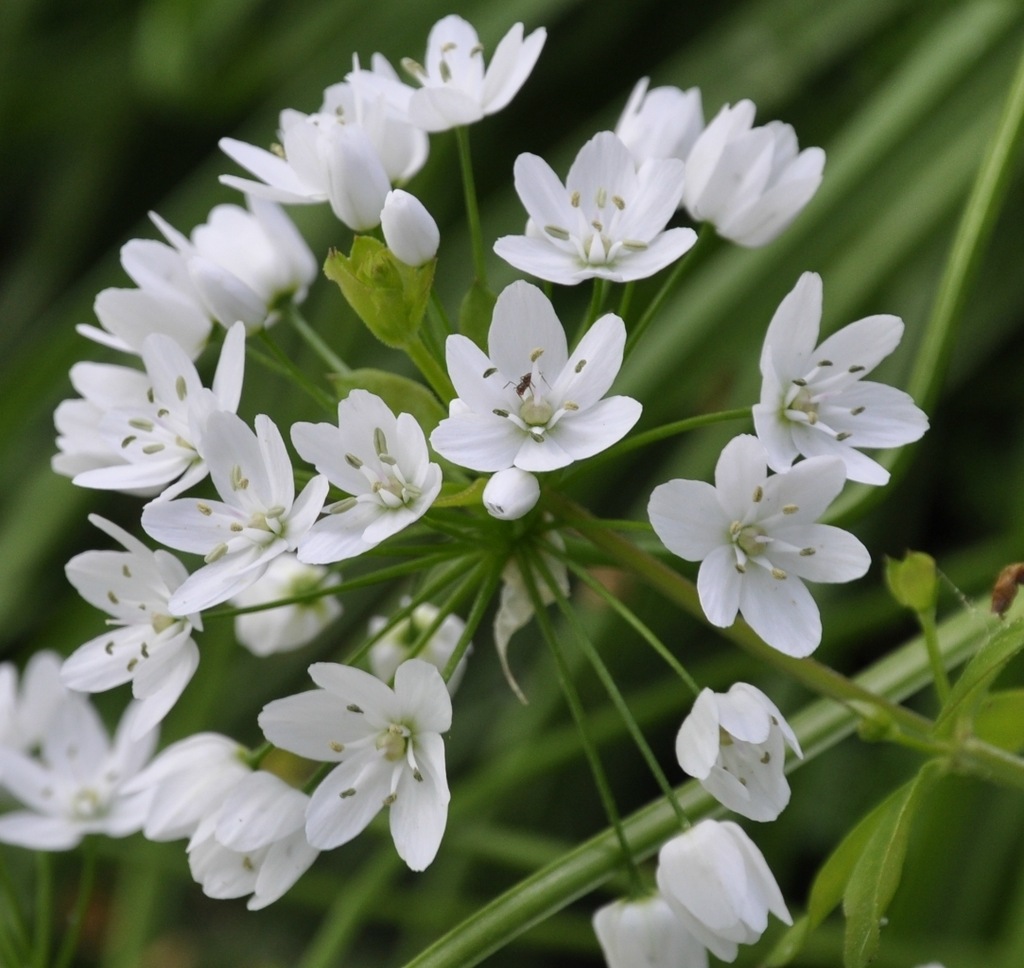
(129, 440)
(767, 758)
(145, 651)
(238, 481)
(337, 747)
(536, 354)
(536, 438)
(490, 371)
(248, 864)
(742, 569)
(204, 509)
(856, 411)
(807, 552)
(113, 599)
(619, 202)
(152, 448)
(345, 505)
(109, 647)
(844, 435)
(126, 571)
(778, 573)
(132, 663)
(758, 493)
(181, 388)
(856, 369)
(417, 776)
(380, 442)
(345, 794)
(237, 526)
(570, 406)
(557, 233)
(574, 199)
(476, 49)
(800, 382)
(150, 396)
(219, 552)
(446, 71)
(448, 47)
(601, 198)
(580, 365)
(277, 149)
(389, 799)
(500, 413)
(634, 245)
(353, 708)
(139, 424)
(163, 412)
(790, 508)
(598, 225)
(353, 461)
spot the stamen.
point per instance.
(856, 369)
(345, 794)
(574, 199)
(580, 365)
(152, 448)
(536, 354)
(344, 505)
(800, 381)
(844, 435)
(109, 647)
(218, 552)
(129, 440)
(634, 245)
(204, 509)
(445, 71)
(126, 571)
(113, 599)
(778, 573)
(277, 149)
(807, 552)
(139, 424)
(790, 508)
(389, 799)
(144, 650)
(490, 371)
(500, 413)
(353, 461)
(618, 202)
(555, 232)
(476, 49)
(238, 482)
(380, 442)
(237, 526)
(824, 362)
(601, 198)
(181, 388)
(336, 746)
(448, 47)
(413, 68)
(856, 411)
(353, 708)
(758, 493)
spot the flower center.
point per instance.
(536, 412)
(87, 804)
(804, 403)
(748, 538)
(393, 742)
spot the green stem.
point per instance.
(432, 371)
(77, 918)
(926, 619)
(44, 910)
(284, 364)
(706, 241)
(15, 911)
(626, 301)
(476, 615)
(316, 342)
(597, 297)
(472, 208)
(572, 699)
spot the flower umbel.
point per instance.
(388, 747)
(756, 540)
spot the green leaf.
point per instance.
(475, 313)
(1000, 720)
(970, 689)
(400, 393)
(877, 870)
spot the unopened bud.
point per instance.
(409, 229)
(511, 493)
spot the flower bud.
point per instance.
(409, 229)
(511, 493)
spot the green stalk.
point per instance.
(472, 208)
(284, 364)
(44, 910)
(432, 371)
(74, 926)
(316, 342)
(597, 297)
(926, 619)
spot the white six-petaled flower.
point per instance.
(528, 404)
(27, 708)
(258, 519)
(455, 88)
(757, 540)
(147, 645)
(663, 122)
(154, 441)
(718, 884)
(607, 221)
(813, 399)
(388, 747)
(734, 743)
(381, 461)
(750, 183)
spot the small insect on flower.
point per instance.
(1004, 591)
(524, 384)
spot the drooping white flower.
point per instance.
(734, 743)
(286, 627)
(76, 786)
(395, 646)
(409, 229)
(756, 540)
(511, 493)
(607, 221)
(145, 644)
(254, 844)
(662, 122)
(813, 398)
(187, 782)
(455, 87)
(750, 183)
(243, 264)
(349, 154)
(388, 747)
(717, 883)
(381, 461)
(257, 519)
(645, 933)
(154, 441)
(528, 404)
(27, 708)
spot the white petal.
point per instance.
(312, 724)
(720, 586)
(347, 799)
(781, 611)
(688, 519)
(420, 812)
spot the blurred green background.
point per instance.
(111, 109)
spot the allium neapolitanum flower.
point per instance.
(76, 785)
(718, 884)
(645, 933)
(455, 88)
(663, 122)
(529, 404)
(750, 183)
(394, 647)
(349, 154)
(734, 743)
(813, 399)
(291, 626)
(607, 221)
(154, 427)
(26, 709)
(756, 540)
(145, 645)
(388, 747)
(381, 461)
(257, 519)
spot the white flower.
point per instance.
(756, 538)
(529, 404)
(244, 265)
(156, 437)
(511, 493)
(409, 229)
(813, 400)
(381, 461)
(26, 710)
(607, 221)
(145, 644)
(287, 626)
(76, 785)
(254, 844)
(660, 123)
(388, 747)
(749, 182)
(645, 933)
(394, 646)
(258, 519)
(734, 743)
(456, 89)
(718, 884)
(348, 153)
(188, 781)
